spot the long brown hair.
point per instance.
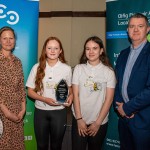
(42, 64)
(103, 57)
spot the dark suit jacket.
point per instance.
(138, 87)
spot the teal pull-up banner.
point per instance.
(22, 16)
(118, 13)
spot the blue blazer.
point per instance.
(138, 87)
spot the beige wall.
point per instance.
(72, 31)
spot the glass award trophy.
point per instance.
(61, 92)
(1, 128)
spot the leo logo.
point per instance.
(12, 16)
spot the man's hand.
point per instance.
(120, 109)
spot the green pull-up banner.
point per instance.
(22, 16)
(117, 14)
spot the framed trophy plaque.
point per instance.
(62, 92)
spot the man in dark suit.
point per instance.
(132, 93)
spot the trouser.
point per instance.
(132, 138)
(50, 126)
(93, 143)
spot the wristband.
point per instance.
(79, 118)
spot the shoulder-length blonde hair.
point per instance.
(7, 28)
(42, 64)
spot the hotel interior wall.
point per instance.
(72, 31)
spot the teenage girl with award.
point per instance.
(50, 117)
(12, 93)
(93, 88)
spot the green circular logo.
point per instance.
(148, 37)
